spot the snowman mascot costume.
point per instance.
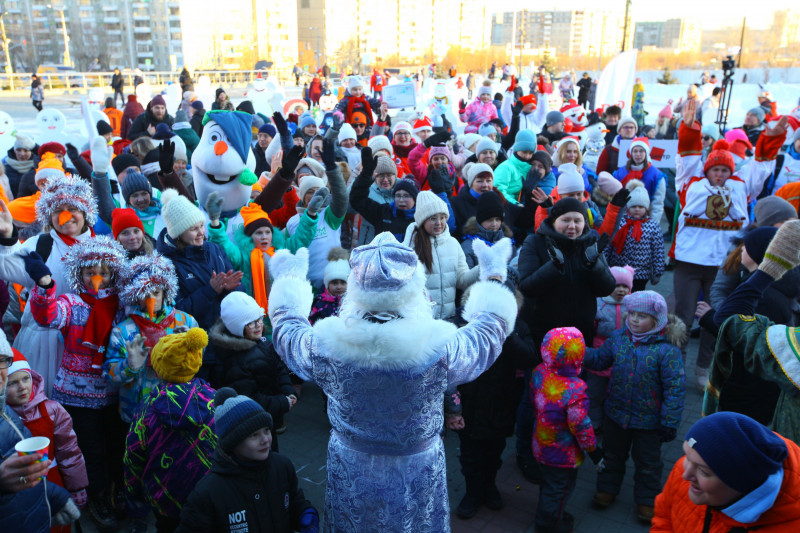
(386, 463)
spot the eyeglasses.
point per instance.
(384, 176)
(401, 134)
(254, 324)
(5, 362)
(402, 196)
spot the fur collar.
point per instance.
(384, 346)
(221, 337)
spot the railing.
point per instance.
(86, 80)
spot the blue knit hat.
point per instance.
(486, 128)
(740, 451)
(525, 141)
(269, 129)
(236, 417)
(134, 182)
(306, 120)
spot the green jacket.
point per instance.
(509, 177)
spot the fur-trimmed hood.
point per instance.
(219, 336)
(675, 330)
(471, 227)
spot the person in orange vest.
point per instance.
(114, 116)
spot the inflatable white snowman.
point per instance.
(595, 142)
(7, 133)
(172, 96)
(265, 95)
(144, 92)
(51, 123)
(577, 114)
(204, 91)
(96, 98)
(443, 102)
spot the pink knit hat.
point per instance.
(440, 150)
(667, 111)
(608, 183)
(623, 275)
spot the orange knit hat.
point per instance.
(719, 156)
(23, 209)
(254, 217)
(49, 167)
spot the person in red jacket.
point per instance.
(736, 475)
(376, 83)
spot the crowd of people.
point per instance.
(162, 333)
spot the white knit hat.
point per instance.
(339, 269)
(569, 179)
(401, 126)
(639, 196)
(313, 166)
(5, 348)
(179, 213)
(428, 204)
(380, 142)
(180, 149)
(627, 119)
(353, 82)
(237, 310)
(308, 183)
(24, 142)
(347, 132)
(469, 139)
(472, 170)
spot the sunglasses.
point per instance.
(708, 138)
(359, 125)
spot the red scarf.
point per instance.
(351, 102)
(403, 151)
(622, 233)
(69, 241)
(98, 326)
(153, 331)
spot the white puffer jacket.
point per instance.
(450, 272)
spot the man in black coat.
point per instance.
(584, 84)
(118, 83)
(145, 124)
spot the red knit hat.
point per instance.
(720, 155)
(122, 219)
(52, 147)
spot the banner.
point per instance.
(616, 80)
(663, 153)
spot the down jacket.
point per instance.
(68, 456)
(648, 382)
(676, 512)
(449, 273)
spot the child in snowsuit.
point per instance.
(172, 437)
(645, 397)
(249, 484)
(250, 364)
(480, 110)
(638, 241)
(337, 270)
(563, 430)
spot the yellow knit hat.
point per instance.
(176, 358)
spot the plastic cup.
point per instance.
(33, 445)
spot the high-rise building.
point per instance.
(683, 35)
(786, 24)
(127, 33)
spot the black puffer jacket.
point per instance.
(261, 497)
(253, 368)
(556, 297)
(140, 123)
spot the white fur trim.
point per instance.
(396, 344)
(285, 264)
(409, 301)
(490, 297)
(291, 292)
(493, 260)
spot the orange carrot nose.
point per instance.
(220, 147)
(97, 280)
(150, 304)
(64, 217)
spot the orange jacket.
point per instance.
(676, 512)
(791, 193)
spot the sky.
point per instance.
(711, 14)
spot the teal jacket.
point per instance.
(509, 176)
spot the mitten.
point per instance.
(79, 498)
(338, 120)
(318, 202)
(368, 163)
(284, 264)
(621, 197)
(437, 179)
(436, 139)
(493, 260)
(516, 109)
(667, 434)
(462, 106)
(556, 256)
(166, 156)
(214, 205)
(328, 154)
(100, 156)
(66, 515)
(36, 267)
(309, 521)
(72, 152)
(532, 180)
(290, 161)
(137, 353)
(782, 252)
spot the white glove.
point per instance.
(284, 264)
(67, 515)
(493, 260)
(100, 155)
(137, 353)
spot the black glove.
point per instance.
(446, 126)
(436, 139)
(166, 156)
(438, 179)
(280, 123)
(620, 198)
(462, 106)
(667, 434)
(596, 455)
(289, 162)
(532, 180)
(336, 119)
(328, 154)
(555, 254)
(368, 163)
(593, 251)
(72, 152)
(516, 109)
(35, 266)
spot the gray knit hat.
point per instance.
(385, 166)
(772, 210)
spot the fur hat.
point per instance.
(569, 179)
(719, 156)
(525, 141)
(95, 251)
(385, 165)
(639, 196)
(179, 213)
(254, 217)
(338, 266)
(648, 302)
(176, 358)
(380, 142)
(772, 210)
(472, 170)
(623, 275)
(741, 452)
(122, 219)
(346, 131)
(239, 309)
(236, 417)
(49, 168)
(308, 183)
(490, 205)
(427, 205)
(143, 275)
(353, 82)
(66, 191)
(407, 185)
(401, 126)
(440, 150)
(312, 166)
(135, 182)
(24, 142)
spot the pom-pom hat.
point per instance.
(62, 193)
(143, 275)
(719, 156)
(236, 417)
(96, 251)
(176, 358)
(179, 213)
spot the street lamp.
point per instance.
(67, 59)
(9, 68)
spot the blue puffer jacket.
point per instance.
(25, 510)
(194, 266)
(648, 382)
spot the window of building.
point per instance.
(305, 4)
